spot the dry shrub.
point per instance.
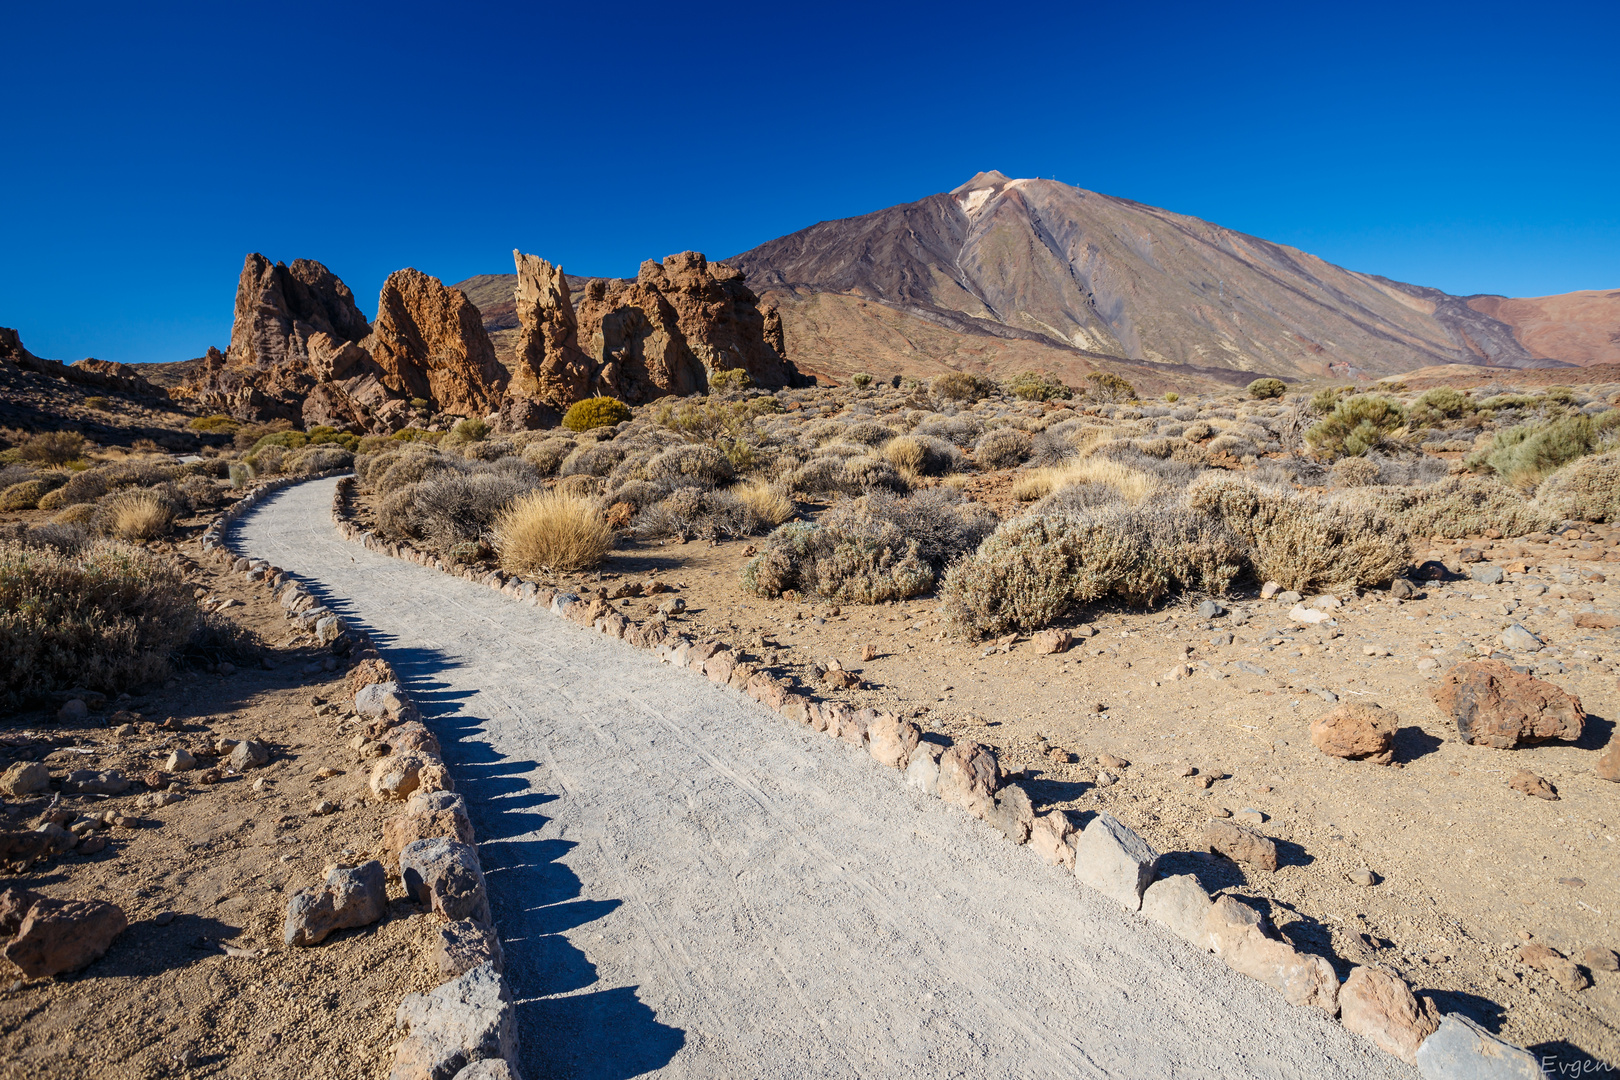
(316, 459)
(26, 495)
(548, 456)
(581, 486)
(1038, 568)
(1302, 541)
(1588, 490)
(396, 513)
(456, 508)
(1002, 448)
(1133, 485)
(823, 476)
(104, 616)
(591, 459)
(1355, 472)
(390, 472)
(1458, 506)
(961, 386)
(1523, 455)
(689, 465)
(922, 455)
(139, 513)
(963, 431)
(872, 473)
(767, 502)
(549, 530)
(78, 515)
(52, 447)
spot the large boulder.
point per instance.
(467, 1020)
(429, 342)
(1236, 933)
(43, 936)
(1460, 1049)
(444, 875)
(1377, 1003)
(1112, 859)
(351, 896)
(1356, 730)
(1493, 705)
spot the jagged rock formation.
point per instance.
(302, 351)
(89, 372)
(662, 333)
(429, 343)
(279, 308)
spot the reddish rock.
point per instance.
(1236, 933)
(1493, 705)
(969, 776)
(1550, 961)
(1355, 730)
(891, 740)
(1052, 641)
(1049, 837)
(1376, 1003)
(367, 672)
(1240, 844)
(1608, 766)
(429, 342)
(1530, 784)
(427, 814)
(1591, 620)
(45, 936)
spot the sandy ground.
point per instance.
(689, 886)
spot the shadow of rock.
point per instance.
(1412, 743)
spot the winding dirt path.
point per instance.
(690, 886)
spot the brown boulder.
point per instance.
(550, 366)
(44, 936)
(429, 342)
(1356, 730)
(1608, 766)
(279, 308)
(1240, 844)
(1236, 933)
(969, 776)
(427, 814)
(891, 740)
(1376, 1003)
(1550, 961)
(1493, 705)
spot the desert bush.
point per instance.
(548, 456)
(241, 474)
(1302, 541)
(821, 476)
(200, 491)
(1356, 425)
(223, 425)
(454, 508)
(730, 380)
(488, 450)
(216, 637)
(550, 531)
(860, 559)
(396, 512)
(592, 459)
(1587, 490)
(1049, 449)
(872, 473)
(768, 503)
(1002, 448)
(585, 487)
(690, 465)
(51, 447)
(1106, 386)
(467, 430)
(267, 460)
(1172, 397)
(1197, 431)
(1456, 507)
(860, 380)
(139, 513)
(1133, 485)
(1522, 455)
(960, 386)
(1267, 388)
(1438, 404)
(103, 616)
(317, 459)
(962, 431)
(868, 433)
(26, 494)
(1032, 386)
(1354, 472)
(1038, 568)
(945, 525)
(411, 466)
(594, 413)
(77, 516)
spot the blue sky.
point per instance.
(148, 148)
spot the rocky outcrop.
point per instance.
(662, 333)
(280, 307)
(429, 342)
(89, 372)
(302, 351)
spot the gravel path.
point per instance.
(690, 886)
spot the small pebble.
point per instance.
(1363, 877)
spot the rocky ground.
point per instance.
(202, 861)
(1431, 865)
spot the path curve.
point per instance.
(690, 886)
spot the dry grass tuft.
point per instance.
(1133, 485)
(766, 501)
(552, 531)
(137, 514)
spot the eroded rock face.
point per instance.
(662, 333)
(1493, 705)
(280, 307)
(429, 342)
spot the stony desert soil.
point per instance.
(1465, 868)
(201, 984)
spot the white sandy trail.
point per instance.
(690, 886)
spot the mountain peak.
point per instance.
(983, 181)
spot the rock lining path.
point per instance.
(690, 886)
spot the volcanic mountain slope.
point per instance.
(1078, 272)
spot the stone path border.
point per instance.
(1106, 856)
(463, 1028)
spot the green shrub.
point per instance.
(1443, 402)
(99, 404)
(730, 380)
(224, 425)
(1032, 386)
(52, 447)
(861, 380)
(26, 494)
(594, 413)
(1522, 455)
(1588, 490)
(468, 430)
(104, 617)
(1267, 388)
(960, 386)
(421, 404)
(1172, 397)
(1356, 425)
(1037, 569)
(1560, 395)
(1302, 541)
(1325, 399)
(1104, 386)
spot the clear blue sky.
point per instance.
(147, 148)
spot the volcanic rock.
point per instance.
(44, 936)
(429, 343)
(1356, 730)
(1377, 1003)
(1493, 705)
